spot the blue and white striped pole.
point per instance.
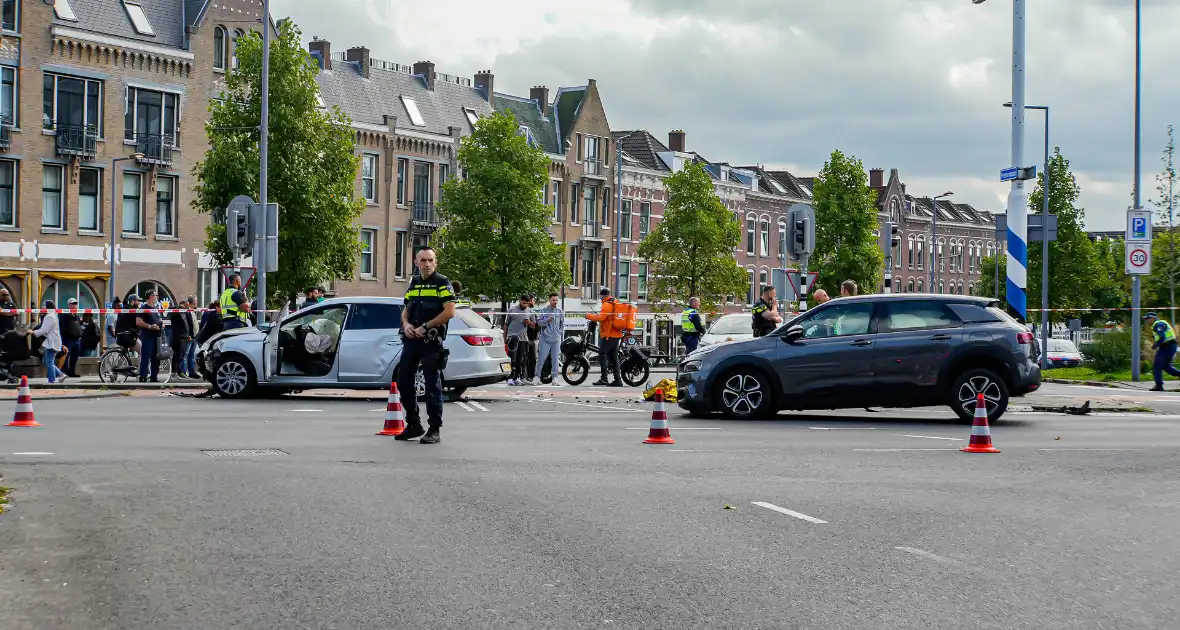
(1017, 282)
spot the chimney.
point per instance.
(322, 50)
(361, 54)
(676, 140)
(540, 94)
(425, 69)
(876, 178)
(486, 83)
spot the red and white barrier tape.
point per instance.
(105, 311)
(1104, 310)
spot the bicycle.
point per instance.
(633, 364)
(120, 363)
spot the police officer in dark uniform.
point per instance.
(765, 313)
(429, 305)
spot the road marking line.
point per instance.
(478, 406)
(688, 450)
(307, 411)
(562, 402)
(927, 555)
(930, 437)
(895, 450)
(32, 453)
(678, 428)
(843, 428)
(464, 406)
(783, 510)
(1091, 449)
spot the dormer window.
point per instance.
(63, 10)
(139, 19)
(412, 110)
(472, 117)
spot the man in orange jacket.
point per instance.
(610, 331)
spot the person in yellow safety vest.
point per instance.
(691, 327)
(235, 308)
(460, 301)
(1165, 349)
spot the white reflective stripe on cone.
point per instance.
(980, 431)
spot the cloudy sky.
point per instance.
(916, 85)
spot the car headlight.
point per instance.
(690, 366)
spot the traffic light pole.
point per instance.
(264, 134)
(803, 283)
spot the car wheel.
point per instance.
(745, 393)
(234, 377)
(977, 381)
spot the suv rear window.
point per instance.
(471, 319)
(1003, 316)
(974, 313)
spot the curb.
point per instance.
(111, 386)
(1064, 381)
(92, 396)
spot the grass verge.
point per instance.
(1087, 374)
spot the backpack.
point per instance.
(625, 316)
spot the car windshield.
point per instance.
(732, 325)
(1063, 346)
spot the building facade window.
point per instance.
(165, 206)
(8, 193)
(910, 252)
(762, 280)
(443, 172)
(625, 220)
(556, 201)
(399, 255)
(625, 280)
(8, 15)
(132, 209)
(402, 166)
(72, 102)
(750, 227)
(219, 48)
(605, 218)
(60, 291)
(921, 253)
(782, 240)
(644, 219)
(575, 199)
(369, 177)
(764, 237)
(641, 290)
(152, 116)
(234, 53)
(574, 264)
(368, 237)
(160, 289)
(51, 197)
(8, 96)
(89, 192)
(750, 286)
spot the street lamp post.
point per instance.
(1136, 324)
(1044, 242)
(112, 227)
(935, 256)
(263, 146)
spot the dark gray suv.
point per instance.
(902, 350)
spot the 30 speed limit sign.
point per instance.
(1138, 259)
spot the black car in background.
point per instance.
(899, 350)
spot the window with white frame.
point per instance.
(60, 291)
(403, 165)
(220, 46)
(8, 15)
(399, 255)
(941, 259)
(606, 207)
(782, 239)
(641, 291)
(8, 96)
(139, 19)
(644, 219)
(238, 33)
(625, 225)
(750, 293)
(763, 280)
(575, 198)
(412, 109)
(152, 116)
(574, 264)
(369, 177)
(764, 236)
(921, 252)
(71, 102)
(132, 204)
(472, 117)
(625, 280)
(89, 192)
(8, 193)
(368, 237)
(443, 174)
(165, 206)
(52, 199)
(910, 252)
(751, 226)
(556, 200)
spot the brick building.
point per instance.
(573, 131)
(965, 235)
(408, 121)
(86, 82)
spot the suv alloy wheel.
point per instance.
(745, 393)
(972, 382)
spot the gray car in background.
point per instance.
(901, 350)
(345, 343)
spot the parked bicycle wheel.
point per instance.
(115, 366)
(575, 370)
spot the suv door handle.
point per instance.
(862, 342)
(940, 338)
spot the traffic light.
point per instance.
(800, 233)
(238, 233)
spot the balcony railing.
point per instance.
(5, 133)
(76, 140)
(592, 166)
(425, 216)
(155, 147)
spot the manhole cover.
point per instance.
(241, 452)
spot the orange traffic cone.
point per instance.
(981, 435)
(659, 433)
(395, 416)
(24, 407)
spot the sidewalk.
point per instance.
(1143, 385)
(93, 383)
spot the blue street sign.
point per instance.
(1139, 228)
(1009, 174)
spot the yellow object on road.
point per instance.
(669, 387)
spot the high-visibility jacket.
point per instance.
(229, 310)
(1163, 332)
(608, 327)
(686, 325)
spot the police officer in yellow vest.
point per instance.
(1165, 349)
(460, 300)
(691, 327)
(235, 308)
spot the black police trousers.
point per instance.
(416, 352)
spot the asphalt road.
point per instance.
(542, 511)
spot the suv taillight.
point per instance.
(477, 340)
(1024, 337)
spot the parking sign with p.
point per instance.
(1139, 225)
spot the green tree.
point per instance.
(986, 287)
(1112, 290)
(845, 217)
(691, 250)
(495, 235)
(312, 165)
(1072, 261)
(1165, 271)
